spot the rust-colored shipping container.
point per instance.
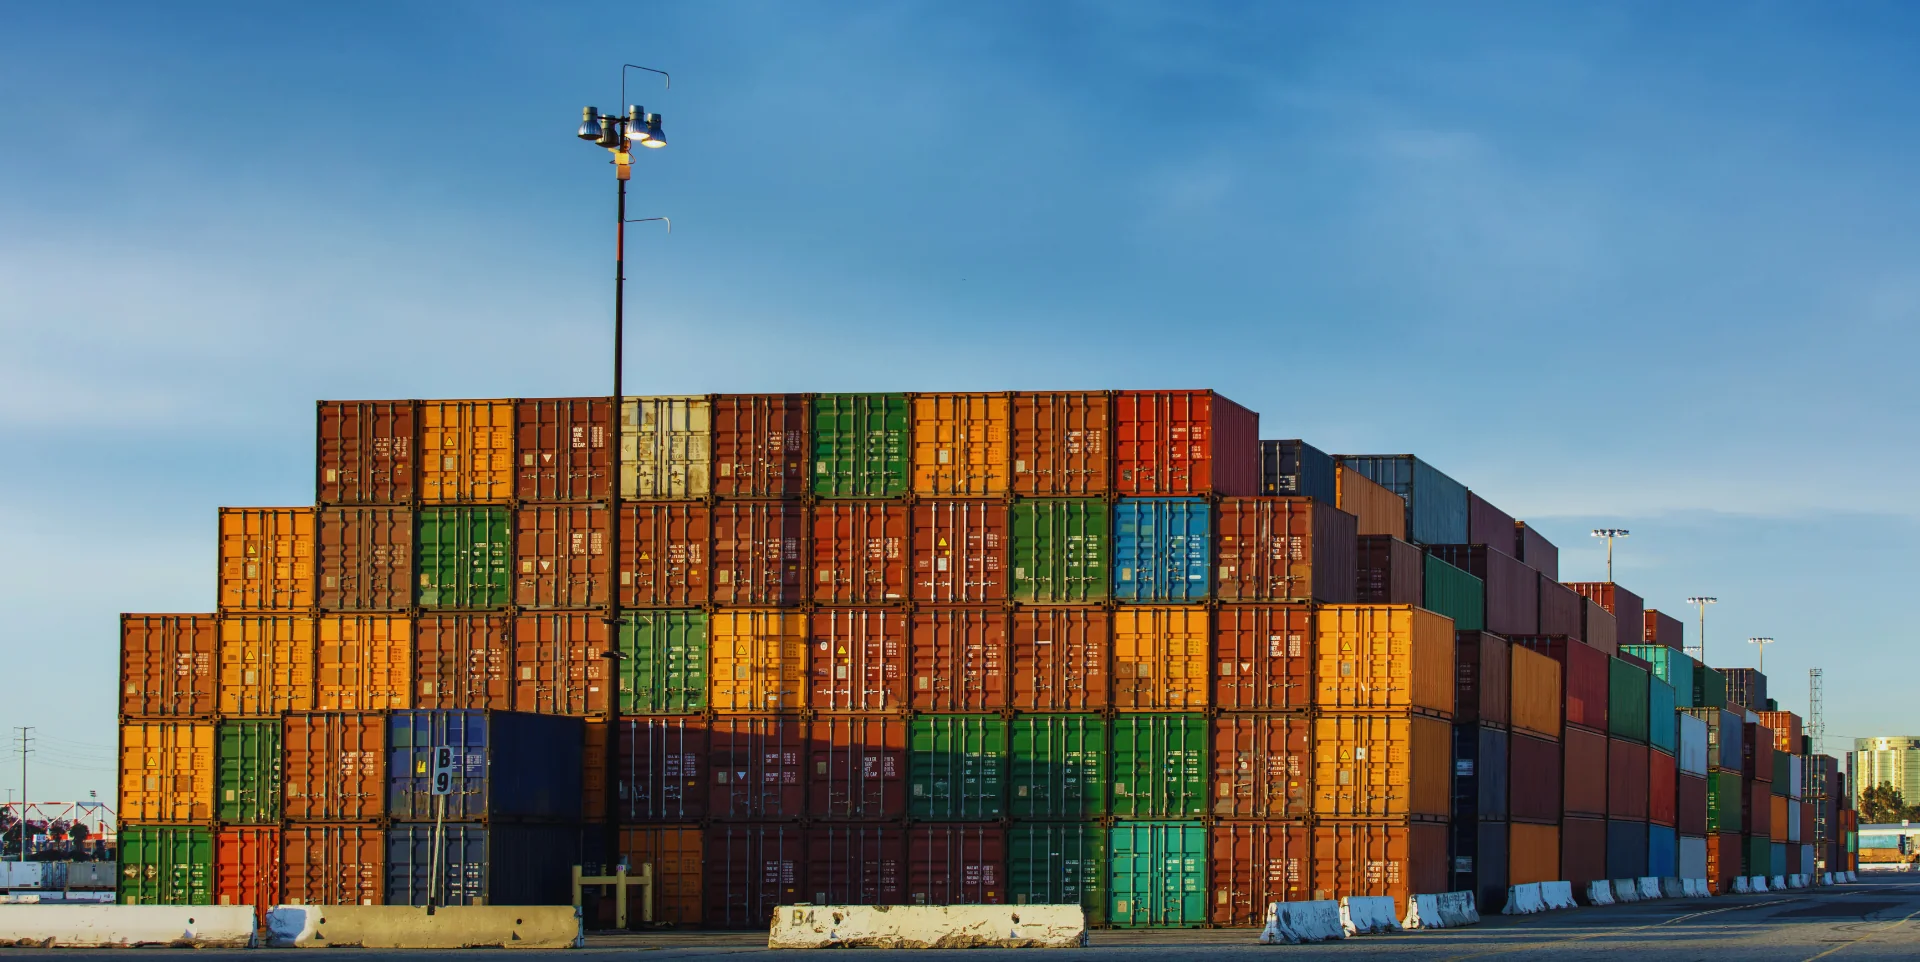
(759, 445)
(1251, 865)
(1627, 609)
(167, 665)
(1058, 442)
(466, 452)
(266, 559)
(1489, 525)
(246, 867)
(1534, 782)
(665, 551)
(662, 769)
(959, 658)
(1598, 628)
(1381, 858)
(751, 869)
(1509, 588)
(859, 767)
(857, 660)
(959, 552)
(1382, 766)
(1583, 850)
(1786, 730)
(1756, 751)
(1584, 763)
(1626, 780)
(1723, 861)
(1059, 659)
(593, 769)
(559, 662)
(1662, 792)
(759, 767)
(1533, 853)
(959, 445)
(266, 665)
(1562, 611)
(363, 663)
(757, 553)
(1583, 674)
(1160, 655)
(956, 864)
(1483, 673)
(464, 661)
(335, 766)
(1664, 629)
(859, 552)
(565, 448)
(1384, 658)
(167, 771)
(1374, 506)
(334, 864)
(560, 556)
(855, 864)
(1536, 699)
(1389, 572)
(1284, 549)
(1184, 443)
(1777, 817)
(677, 856)
(1263, 657)
(365, 558)
(366, 452)
(1262, 766)
(759, 660)
(1690, 804)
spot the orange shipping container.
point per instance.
(1058, 658)
(759, 660)
(1261, 766)
(365, 558)
(1382, 766)
(759, 445)
(665, 550)
(757, 553)
(464, 661)
(560, 556)
(1160, 655)
(1378, 509)
(561, 663)
(1251, 865)
(1786, 730)
(466, 452)
(1384, 658)
(167, 665)
(1533, 853)
(1058, 443)
(335, 766)
(858, 660)
(364, 663)
(959, 445)
(334, 864)
(366, 452)
(246, 867)
(1263, 657)
(266, 559)
(564, 454)
(959, 658)
(1284, 549)
(859, 552)
(959, 552)
(1390, 858)
(1536, 692)
(166, 771)
(266, 665)
(675, 852)
(1777, 824)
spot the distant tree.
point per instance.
(1881, 804)
(78, 832)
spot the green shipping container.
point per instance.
(247, 760)
(1709, 688)
(1663, 726)
(1724, 798)
(1058, 863)
(465, 557)
(1059, 766)
(166, 865)
(860, 445)
(1159, 765)
(1626, 701)
(958, 767)
(1456, 594)
(1782, 772)
(1157, 874)
(1058, 550)
(1760, 857)
(665, 668)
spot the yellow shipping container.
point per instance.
(1536, 692)
(1533, 852)
(166, 771)
(266, 559)
(1160, 658)
(466, 452)
(1383, 658)
(1382, 766)
(759, 660)
(960, 444)
(266, 665)
(666, 446)
(364, 663)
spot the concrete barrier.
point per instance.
(1649, 887)
(1741, 885)
(1600, 892)
(1757, 883)
(928, 927)
(1446, 910)
(1367, 914)
(1853, 876)
(1557, 895)
(1778, 884)
(1626, 890)
(1524, 900)
(119, 926)
(1672, 888)
(1291, 923)
(408, 927)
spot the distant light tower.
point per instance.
(1701, 602)
(1763, 643)
(1609, 534)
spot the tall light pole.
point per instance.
(1763, 643)
(1609, 534)
(1701, 602)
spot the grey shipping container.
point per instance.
(1296, 468)
(497, 864)
(1479, 773)
(1436, 504)
(1746, 687)
(506, 764)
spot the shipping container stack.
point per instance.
(1677, 753)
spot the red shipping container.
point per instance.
(1059, 444)
(1251, 865)
(1390, 572)
(856, 864)
(666, 552)
(1262, 766)
(1793, 859)
(759, 445)
(560, 663)
(662, 768)
(247, 867)
(1483, 672)
(563, 449)
(1598, 628)
(859, 767)
(1627, 609)
(954, 863)
(1584, 677)
(334, 864)
(1664, 629)
(169, 665)
(367, 451)
(364, 557)
(959, 552)
(1562, 610)
(1690, 803)
(1584, 767)
(1489, 525)
(1184, 443)
(959, 657)
(1060, 658)
(1263, 657)
(463, 661)
(1724, 857)
(1756, 816)
(1756, 747)
(757, 553)
(1383, 858)
(1626, 780)
(1533, 779)
(859, 552)
(1284, 549)
(560, 556)
(1662, 790)
(1536, 551)
(1583, 850)
(1511, 589)
(858, 659)
(334, 766)
(751, 869)
(758, 764)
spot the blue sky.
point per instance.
(1621, 264)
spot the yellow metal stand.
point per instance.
(620, 880)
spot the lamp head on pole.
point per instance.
(1609, 532)
(589, 124)
(654, 137)
(1702, 600)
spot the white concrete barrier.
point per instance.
(1459, 908)
(1524, 899)
(1853, 876)
(1649, 887)
(1291, 923)
(1557, 895)
(1672, 888)
(119, 926)
(410, 927)
(1443, 911)
(928, 927)
(1367, 914)
(1757, 883)
(1777, 884)
(1826, 878)
(1742, 885)
(1626, 890)
(1600, 892)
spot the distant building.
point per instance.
(1892, 760)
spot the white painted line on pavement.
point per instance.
(1609, 932)
(1863, 935)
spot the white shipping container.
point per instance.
(1796, 777)
(1793, 822)
(1691, 859)
(666, 446)
(1693, 745)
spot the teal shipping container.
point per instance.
(1058, 863)
(860, 445)
(1157, 875)
(1673, 667)
(1709, 688)
(1453, 592)
(1162, 550)
(1159, 765)
(1436, 504)
(1059, 765)
(957, 768)
(1626, 701)
(1663, 728)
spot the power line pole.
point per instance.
(25, 747)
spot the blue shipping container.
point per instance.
(483, 865)
(1296, 469)
(506, 764)
(1161, 550)
(1663, 852)
(1663, 729)
(1480, 861)
(1626, 848)
(1779, 858)
(1479, 772)
(1436, 504)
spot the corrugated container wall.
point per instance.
(860, 445)
(1562, 610)
(565, 449)
(1382, 766)
(560, 557)
(465, 557)
(247, 783)
(509, 764)
(957, 768)
(956, 864)
(666, 447)
(759, 660)
(664, 668)
(1534, 786)
(856, 864)
(336, 766)
(959, 552)
(365, 558)
(860, 553)
(1061, 444)
(1598, 628)
(959, 659)
(1455, 593)
(1160, 765)
(858, 660)
(759, 446)
(366, 452)
(1162, 549)
(1157, 874)
(1436, 504)
(1184, 443)
(666, 554)
(959, 445)
(1059, 658)
(266, 665)
(1539, 554)
(1379, 858)
(1483, 679)
(1057, 766)
(1251, 865)
(1584, 676)
(1295, 468)
(1584, 772)
(759, 767)
(1627, 608)
(166, 865)
(463, 660)
(1583, 851)
(1536, 700)
(363, 663)
(334, 864)
(1480, 769)
(1533, 854)
(1670, 666)
(1384, 658)
(1058, 863)
(1512, 597)
(1058, 550)
(1662, 731)
(495, 864)
(466, 452)
(1390, 572)
(167, 771)
(1376, 510)
(1626, 701)
(1262, 764)
(757, 553)
(1285, 549)
(266, 559)
(561, 663)
(169, 665)
(247, 867)
(1665, 630)
(1263, 657)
